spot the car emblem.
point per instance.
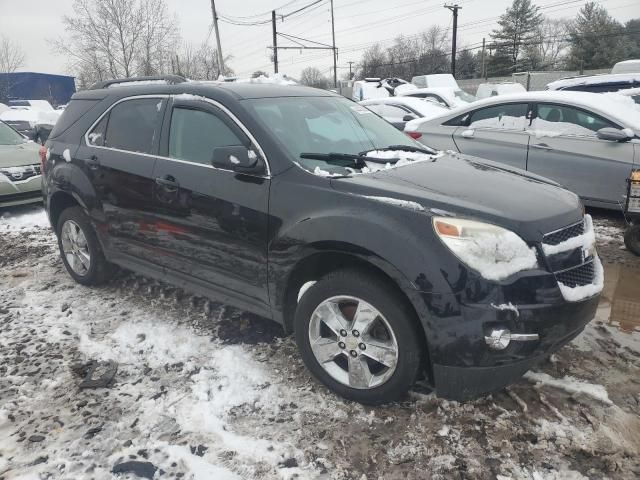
(16, 175)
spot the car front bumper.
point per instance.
(464, 366)
(20, 192)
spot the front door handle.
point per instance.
(469, 133)
(168, 182)
(541, 146)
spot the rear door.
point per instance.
(565, 148)
(118, 159)
(497, 133)
(211, 224)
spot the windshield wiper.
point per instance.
(358, 160)
(403, 148)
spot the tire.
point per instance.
(396, 322)
(632, 238)
(97, 270)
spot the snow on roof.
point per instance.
(620, 108)
(137, 83)
(425, 108)
(594, 80)
(277, 79)
(627, 66)
(30, 115)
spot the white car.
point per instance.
(606, 82)
(587, 142)
(449, 97)
(634, 93)
(486, 90)
(33, 123)
(41, 105)
(627, 66)
(435, 80)
(400, 110)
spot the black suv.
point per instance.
(388, 260)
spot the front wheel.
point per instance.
(358, 337)
(80, 249)
(632, 238)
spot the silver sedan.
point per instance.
(587, 142)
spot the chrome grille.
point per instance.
(578, 276)
(18, 174)
(559, 236)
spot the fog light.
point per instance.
(498, 339)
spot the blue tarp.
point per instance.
(57, 89)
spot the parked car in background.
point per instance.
(634, 93)
(265, 197)
(449, 97)
(627, 66)
(33, 123)
(20, 180)
(486, 90)
(436, 80)
(400, 110)
(42, 105)
(597, 83)
(379, 88)
(585, 141)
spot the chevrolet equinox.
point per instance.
(389, 261)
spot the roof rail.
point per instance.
(168, 79)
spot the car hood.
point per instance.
(19, 155)
(474, 188)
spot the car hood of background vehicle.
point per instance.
(19, 155)
(475, 188)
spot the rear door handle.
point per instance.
(168, 182)
(542, 146)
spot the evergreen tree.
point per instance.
(596, 39)
(518, 25)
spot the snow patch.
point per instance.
(66, 155)
(507, 306)
(137, 83)
(398, 203)
(586, 240)
(304, 288)
(9, 222)
(571, 385)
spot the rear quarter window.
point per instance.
(74, 111)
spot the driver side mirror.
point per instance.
(408, 117)
(613, 134)
(236, 158)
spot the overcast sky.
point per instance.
(358, 24)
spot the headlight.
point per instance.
(493, 251)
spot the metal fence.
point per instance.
(529, 80)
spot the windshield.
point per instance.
(462, 95)
(325, 125)
(8, 136)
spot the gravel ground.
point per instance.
(189, 388)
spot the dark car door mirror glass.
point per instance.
(236, 157)
(612, 134)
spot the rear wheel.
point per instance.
(80, 250)
(632, 238)
(358, 338)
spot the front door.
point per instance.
(118, 159)
(497, 133)
(211, 224)
(564, 147)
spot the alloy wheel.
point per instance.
(75, 247)
(353, 342)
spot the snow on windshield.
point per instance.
(405, 158)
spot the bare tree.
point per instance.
(200, 63)
(118, 38)
(547, 53)
(312, 77)
(12, 57)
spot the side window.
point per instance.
(437, 99)
(562, 120)
(134, 124)
(97, 135)
(195, 133)
(510, 116)
(393, 112)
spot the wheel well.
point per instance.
(59, 202)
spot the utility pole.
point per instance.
(275, 41)
(482, 68)
(335, 54)
(454, 9)
(350, 74)
(215, 26)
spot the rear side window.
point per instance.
(74, 111)
(195, 133)
(509, 116)
(133, 125)
(568, 121)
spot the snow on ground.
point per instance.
(203, 391)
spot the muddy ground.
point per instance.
(205, 391)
